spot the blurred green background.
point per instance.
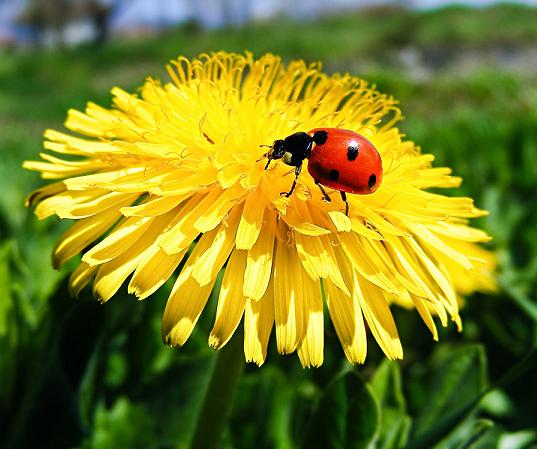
(76, 374)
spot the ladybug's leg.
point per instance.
(266, 155)
(298, 169)
(325, 195)
(344, 198)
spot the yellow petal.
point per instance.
(181, 235)
(340, 220)
(154, 269)
(214, 211)
(251, 220)
(460, 232)
(367, 267)
(154, 206)
(209, 264)
(424, 234)
(381, 224)
(231, 301)
(379, 318)
(259, 261)
(49, 206)
(65, 143)
(423, 310)
(407, 266)
(81, 234)
(311, 345)
(365, 231)
(301, 225)
(288, 309)
(348, 320)
(318, 259)
(436, 275)
(187, 299)
(111, 275)
(380, 256)
(82, 123)
(103, 179)
(118, 241)
(258, 323)
(197, 181)
(55, 170)
(230, 174)
(40, 194)
(79, 278)
(141, 181)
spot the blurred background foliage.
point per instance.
(76, 374)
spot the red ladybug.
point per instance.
(337, 158)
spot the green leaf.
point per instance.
(479, 428)
(216, 407)
(458, 380)
(386, 383)
(516, 292)
(87, 389)
(271, 422)
(6, 304)
(346, 417)
(517, 440)
(497, 404)
(9, 337)
(467, 435)
(394, 421)
(176, 397)
(125, 425)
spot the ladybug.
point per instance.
(338, 158)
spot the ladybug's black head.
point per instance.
(277, 150)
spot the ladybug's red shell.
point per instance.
(346, 161)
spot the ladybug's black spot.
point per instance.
(372, 181)
(352, 152)
(333, 175)
(319, 137)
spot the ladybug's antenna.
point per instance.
(265, 155)
(277, 150)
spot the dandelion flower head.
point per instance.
(172, 175)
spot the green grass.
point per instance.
(77, 374)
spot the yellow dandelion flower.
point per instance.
(176, 172)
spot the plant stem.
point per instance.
(220, 393)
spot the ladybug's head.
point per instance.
(277, 150)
